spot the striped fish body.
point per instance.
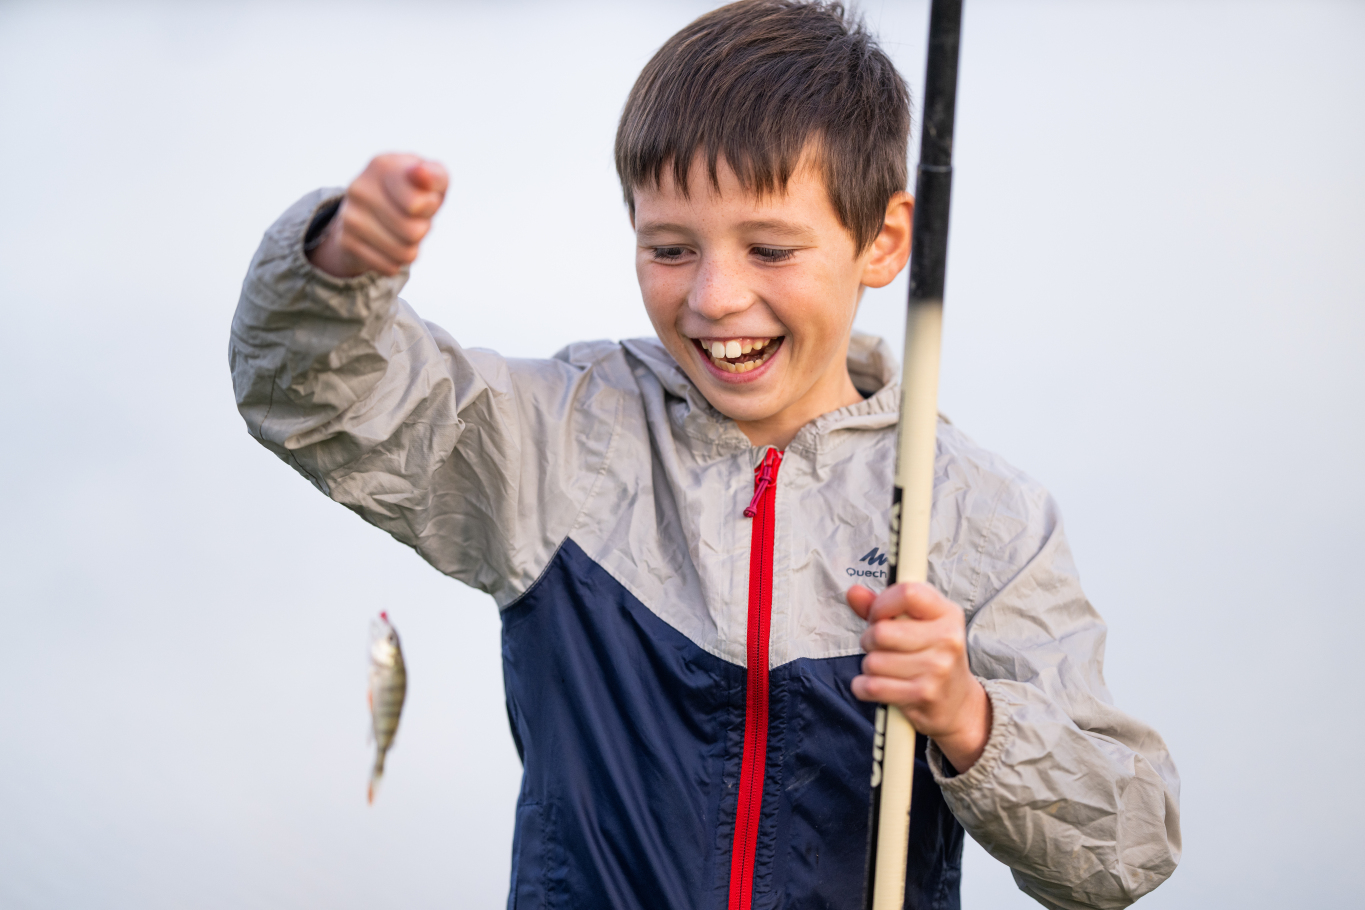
(388, 688)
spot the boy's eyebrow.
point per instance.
(653, 229)
(787, 229)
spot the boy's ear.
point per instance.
(891, 250)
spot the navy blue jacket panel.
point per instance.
(632, 738)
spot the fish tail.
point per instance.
(376, 776)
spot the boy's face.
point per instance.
(755, 297)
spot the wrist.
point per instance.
(964, 744)
(322, 245)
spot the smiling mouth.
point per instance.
(738, 355)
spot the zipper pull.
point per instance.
(766, 471)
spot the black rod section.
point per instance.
(934, 176)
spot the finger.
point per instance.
(393, 209)
(913, 599)
(368, 257)
(408, 200)
(360, 224)
(429, 177)
(355, 247)
(900, 634)
(887, 690)
(931, 665)
(860, 599)
(408, 189)
(403, 229)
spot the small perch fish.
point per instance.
(388, 688)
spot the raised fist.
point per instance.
(386, 213)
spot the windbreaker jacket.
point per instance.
(677, 674)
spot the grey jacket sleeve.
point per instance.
(389, 416)
(1078, 798)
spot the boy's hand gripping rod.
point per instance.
(893, 751)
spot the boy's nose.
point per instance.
(719, 291)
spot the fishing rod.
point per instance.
(893, 749)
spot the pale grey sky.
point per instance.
(1156, 305)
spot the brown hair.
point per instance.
(760, 83)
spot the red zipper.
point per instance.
(756, 690)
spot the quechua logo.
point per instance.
(872, 562)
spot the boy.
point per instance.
(668, 526)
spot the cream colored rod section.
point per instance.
(910, 524)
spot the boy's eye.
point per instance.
(668, 253)
(772, 254)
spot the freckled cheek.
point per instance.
(664, 296)
(811, 305)
(817, 324)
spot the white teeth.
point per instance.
(724, 352)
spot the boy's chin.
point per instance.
(746, 407)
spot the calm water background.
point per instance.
(1157, 307)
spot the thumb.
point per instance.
(428, 176)
(860, 599)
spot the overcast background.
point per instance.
(1156, 306)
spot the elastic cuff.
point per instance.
(317, 228)
(300, 229)
(1002, 733)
